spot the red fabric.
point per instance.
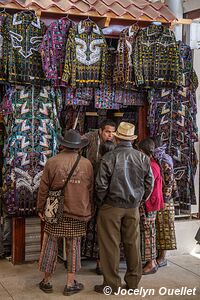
(156, 201)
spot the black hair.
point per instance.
(147, 146)
(157, 141)
(107, 122)
(106, 147)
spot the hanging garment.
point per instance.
(156, 60)
(78, 96)
(53, 50)
(172, 115)
(24, 32)
(190, 78)
(85, 55)
(3, 45)
(124, 74)
(31, 139)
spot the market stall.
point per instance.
(95, 59)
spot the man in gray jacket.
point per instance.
(124, 179)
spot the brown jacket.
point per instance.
(78, 192)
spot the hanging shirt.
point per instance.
(24, 32)
(157, 61)
(124, 71)
(85, 55)
(53, 50)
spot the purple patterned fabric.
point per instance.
(53, 50)
(161, 155)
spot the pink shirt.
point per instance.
(155, 201)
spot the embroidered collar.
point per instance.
(85, 24)
(35, 21)
(157, 30)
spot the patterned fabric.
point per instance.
(147, 234)
(24, 33)
(124, 74)
(3, 45)
(85, 55)
(2, 133)
(53, 50)
(172, 115)
(165, 228)
(105, 94)
(80, 96)
(156, 60)
(187, 63)
(49, 253)
(89, 246)
(127, 97)
(67, 227)
(31, 139)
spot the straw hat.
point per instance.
(125, 131)
(72, 139)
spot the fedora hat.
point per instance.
(72, 139)
(125, 131)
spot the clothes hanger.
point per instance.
(67, 18)
(27, 12)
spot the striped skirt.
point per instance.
(49, 253)
(165, 228)
(147, 234)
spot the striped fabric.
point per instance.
(48, 255)
(49, 252)
(165, 229)
(147, 235)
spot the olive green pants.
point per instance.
(115, 225)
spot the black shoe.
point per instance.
(98, 271)
(70, 290)
(46, 286)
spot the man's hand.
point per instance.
(41, 215)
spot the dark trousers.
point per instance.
(115, 225)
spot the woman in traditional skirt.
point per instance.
(148, 212)
(77, 209)
(165, 228)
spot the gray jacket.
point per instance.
(124, 177)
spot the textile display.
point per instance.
(172, 115)
(53, 48)
(31, 131)
(156, 60)
(85, 55)
(124, 74)
(24, 33)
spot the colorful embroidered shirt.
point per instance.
(157, 60)
(24, 32)
(124, 70)
(85, 55)
(53, 49)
